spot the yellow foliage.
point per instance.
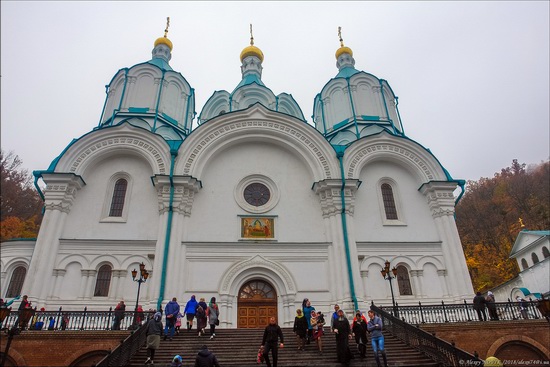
(13, 227)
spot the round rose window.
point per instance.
(256, 194)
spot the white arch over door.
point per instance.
(257, 267)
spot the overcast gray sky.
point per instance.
(472, 77)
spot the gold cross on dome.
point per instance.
(251, 36)
(340, 36)
(167, 26)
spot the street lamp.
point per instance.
(143, 275)
(387, 276)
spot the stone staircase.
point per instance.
(239, 347)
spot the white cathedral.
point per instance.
(254, 206)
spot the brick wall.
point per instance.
(60, 348)
(523, 339)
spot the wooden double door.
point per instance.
(257, 303)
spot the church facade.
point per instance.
(254, 206)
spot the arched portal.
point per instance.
(256, 303)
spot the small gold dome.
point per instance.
(343, 50)
(252, 51)
(165, 41)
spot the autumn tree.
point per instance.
(20, 204)
(488, 219)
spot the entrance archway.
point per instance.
(257, 302)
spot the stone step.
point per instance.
(239, 347)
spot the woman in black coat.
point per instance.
(300, 329)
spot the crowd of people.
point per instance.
(194, 311)
(309, 325)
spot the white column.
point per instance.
(113, 287)
(90, 285)
(329, 192)
(83, 283)
(59, 274)
(443, 280)
(121, 275)
(364, 282)
(416, 275)
(184, 188)
(60, 193)
(440, 199)
(3, 276)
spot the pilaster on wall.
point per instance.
(184, 190)
(60, 193)
(441, 201)
(329, 192)
(330, 197)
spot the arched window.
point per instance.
(103, 281)
(545, 252)
(389, 202)
(535, 258)
(403, 281)
(16, 282)
(119, 194)
(524, 264)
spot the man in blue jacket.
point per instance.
(171, 311)
(190, 310)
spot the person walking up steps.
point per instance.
(213, 313)
(190, 310)
(171, 311)
(154, 332)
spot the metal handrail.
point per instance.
(72, 320)
(122, 354)
(463, 312)
(444, 353)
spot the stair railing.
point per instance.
(121, 355)
(463, 312)
(439, 350)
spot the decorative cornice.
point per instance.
(88, 272)
(416, 273)
(119, 273)
(59, 272)
(61, 190)
(329, 192)
(125, 142)
(256, 261)
(292, 133)
(442, 272)
(440, 197)
(185, 188)
(391, 149)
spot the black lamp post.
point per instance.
(143, 275)
(387, 276)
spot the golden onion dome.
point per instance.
(343, 49)
(165, 41)
(252, 51)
